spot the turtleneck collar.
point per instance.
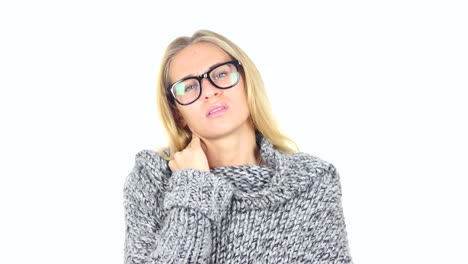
(266, 185)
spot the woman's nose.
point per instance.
(209, 90)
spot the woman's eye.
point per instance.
(189, 88)
(220, 75)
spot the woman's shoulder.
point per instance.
(307, 160)
(316, 168)
(150, 170)
(152, 157)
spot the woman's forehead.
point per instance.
(195, 60)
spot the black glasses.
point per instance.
(222, 76)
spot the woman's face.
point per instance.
(218, 112)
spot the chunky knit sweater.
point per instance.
(287, 211)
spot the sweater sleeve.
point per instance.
(169, 219)
(332, 242)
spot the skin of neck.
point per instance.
(236, 149)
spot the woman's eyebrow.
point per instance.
(209, 69)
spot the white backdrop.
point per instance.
(377, 88)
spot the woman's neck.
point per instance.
(232, 150)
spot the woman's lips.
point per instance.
(217, 110)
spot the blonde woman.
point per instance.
(230, 187)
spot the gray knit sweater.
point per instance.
(288, 211)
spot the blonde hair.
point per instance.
(257, 99)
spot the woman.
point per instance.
(230, 188)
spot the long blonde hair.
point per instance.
(257, 99)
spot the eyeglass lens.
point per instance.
(224, 76)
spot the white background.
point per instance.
(378, 88)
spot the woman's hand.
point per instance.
(192, 157)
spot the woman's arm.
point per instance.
(330, 227)
(170, 220)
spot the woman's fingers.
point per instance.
(192, 157)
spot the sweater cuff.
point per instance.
(199, 190)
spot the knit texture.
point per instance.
(287, 211)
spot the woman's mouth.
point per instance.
(217, 110)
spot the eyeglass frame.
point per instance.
(205, 75)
